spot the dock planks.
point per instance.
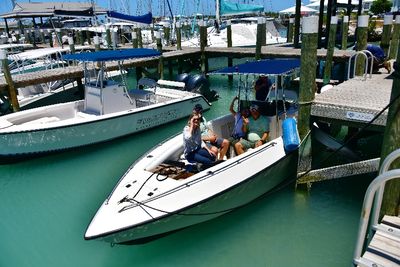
(384, 248)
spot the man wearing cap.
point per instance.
(257, 129)
(208, 136)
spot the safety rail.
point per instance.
(367, 55)
(374, 192)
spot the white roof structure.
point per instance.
(314, 4)
(303, 10)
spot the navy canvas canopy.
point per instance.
(262, 67)
(146, 19)
(113, 55)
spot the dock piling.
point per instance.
(345, 30)
(387, 32)
(329, 52)
(259, 38)
(12, 91)
(362, 35)
(229, 43)
(394, 43)
(134, 39)
(71, 44)
(178, 35)
(203, 44)
(391, 142)
(290, 30)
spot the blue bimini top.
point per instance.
(146, 19)
(113, 55)
(262, 67)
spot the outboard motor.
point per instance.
(5, 106)
(198, 83)
(183, 77)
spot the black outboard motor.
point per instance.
(5, 106)
(198, 83)
(183, 77)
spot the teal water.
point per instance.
(47, 203)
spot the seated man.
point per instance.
(208, 136)
(257, 129)
(379, 58)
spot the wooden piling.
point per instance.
(391, 142)
(290, 30)
(88, 37)
(71, 44)
(167, 34)
(96, 42)
(263, 32)
(42, 36)
(331, 48)
(308, 58)
(345, 30)
(259, 39)
(394, 43)
(140, 38)
(203, 44)
(229, 43)
(387, 32)
(114, 38)
(108, 36)
(161, 60)
(12, 91)
(362, 35)
(134, 39)
(178, 36)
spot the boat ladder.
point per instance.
(379, 242)
(367, 55)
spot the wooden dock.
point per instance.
(384, 248)
(355, 102)
(273, 51)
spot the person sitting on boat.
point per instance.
(238, 130)
(194, 148)
(262, 87)
(208, 136)
(257, 129)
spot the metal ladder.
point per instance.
(388, 228)
(365, 54)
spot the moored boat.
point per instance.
(108, 111)
(162, 192)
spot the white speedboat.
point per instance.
(109, 110)
(244, 34)
(162, 192)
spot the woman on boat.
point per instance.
(194, 148)
(207, 135)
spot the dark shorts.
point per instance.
(217, 143)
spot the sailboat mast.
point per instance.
(217, 11)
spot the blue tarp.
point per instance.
(146, 19)
(113, 55)
(227, 8)
(262, 67)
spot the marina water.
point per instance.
(47, 203)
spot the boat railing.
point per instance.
(372, 201)
(368, 67)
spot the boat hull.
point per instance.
(227, 200)
(43, 140)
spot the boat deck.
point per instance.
(384, 248)
(355, 102)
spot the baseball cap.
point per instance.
(198, 108)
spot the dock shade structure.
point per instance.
(261, 67)
(46, 9)
(145, 19)
(113, 55)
